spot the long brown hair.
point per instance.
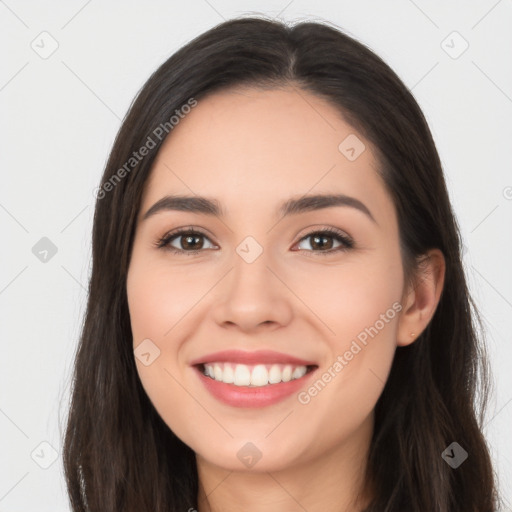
(119, 455)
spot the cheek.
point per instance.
(348, 298)
(156, 302)
(161, 301)
(360, 307)
(159, 298)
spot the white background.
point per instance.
(59, 118)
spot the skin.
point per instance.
(251, 150)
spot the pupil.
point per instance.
(320, 244)
(190, 244)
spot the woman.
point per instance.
(224, 362)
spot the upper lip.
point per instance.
(255, 357)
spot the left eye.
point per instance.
(191, 241)
(323, 241)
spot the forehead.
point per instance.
(251, 146)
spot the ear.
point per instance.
(421, 298)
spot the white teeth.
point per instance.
(217, 372)
(287, 373)
(228, 376)
(259, 375)
(256, 376)
(242, 375)
(299, 372)
(274, 375)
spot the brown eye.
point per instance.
(185, 241)
(324, 241)
(321, 242)
(191, 242)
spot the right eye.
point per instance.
(185, 240)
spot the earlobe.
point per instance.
(421, 299)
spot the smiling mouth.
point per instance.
(253, 376)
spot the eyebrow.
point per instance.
(209, 206)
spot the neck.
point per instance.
(331, 482)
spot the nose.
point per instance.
(252, 296)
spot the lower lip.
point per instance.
(260, 396)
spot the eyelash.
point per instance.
(348, 243)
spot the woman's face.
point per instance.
(275, 293)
